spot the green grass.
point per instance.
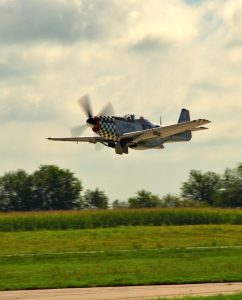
(219, 297)
(62, 220)
(119, 238)
(167, 260)
(121, 268)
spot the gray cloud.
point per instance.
(150, 44)
(22, 109)
(37, 20)
(55, 21)
(7, 70)
(14, 66)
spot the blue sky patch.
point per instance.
(191, 2)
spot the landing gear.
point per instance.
(120, 149)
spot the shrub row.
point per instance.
(61, 220)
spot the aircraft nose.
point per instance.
(93, 122)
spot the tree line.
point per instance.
(53, 188)
(48, 188)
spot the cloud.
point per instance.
(150, 43)
(26, 108)
(59, 21)
(33, 20)
(150, 58)
(173, 22)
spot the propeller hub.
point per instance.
(93, 122)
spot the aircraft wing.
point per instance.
(89, 139)
(165, 131)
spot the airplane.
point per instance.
(131, 131)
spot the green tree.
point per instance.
(201, 186)
(230, 194)
(95, 199)
(15, 191)
(55, 189)
(144, 199)
(120, 204)
(170, 200)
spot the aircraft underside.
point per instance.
(123, 148)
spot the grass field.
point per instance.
(168, 262)
(62, 220)
(121, 247)
(120, 238)
(121, 268)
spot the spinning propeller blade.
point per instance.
(78, 130)
(85, 104)
(107, 110)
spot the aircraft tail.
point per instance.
(185, 117)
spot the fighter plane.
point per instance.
(131, 131)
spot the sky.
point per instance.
(152, 58)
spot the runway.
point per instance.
(124, 293)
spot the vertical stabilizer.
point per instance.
(184, 116)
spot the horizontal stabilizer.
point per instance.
(199, 128)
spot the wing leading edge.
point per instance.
(89, 139)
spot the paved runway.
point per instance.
(124, 293)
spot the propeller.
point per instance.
(85, 104)
(78, 130)
(107, 110)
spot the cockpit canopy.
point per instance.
(134, 117)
